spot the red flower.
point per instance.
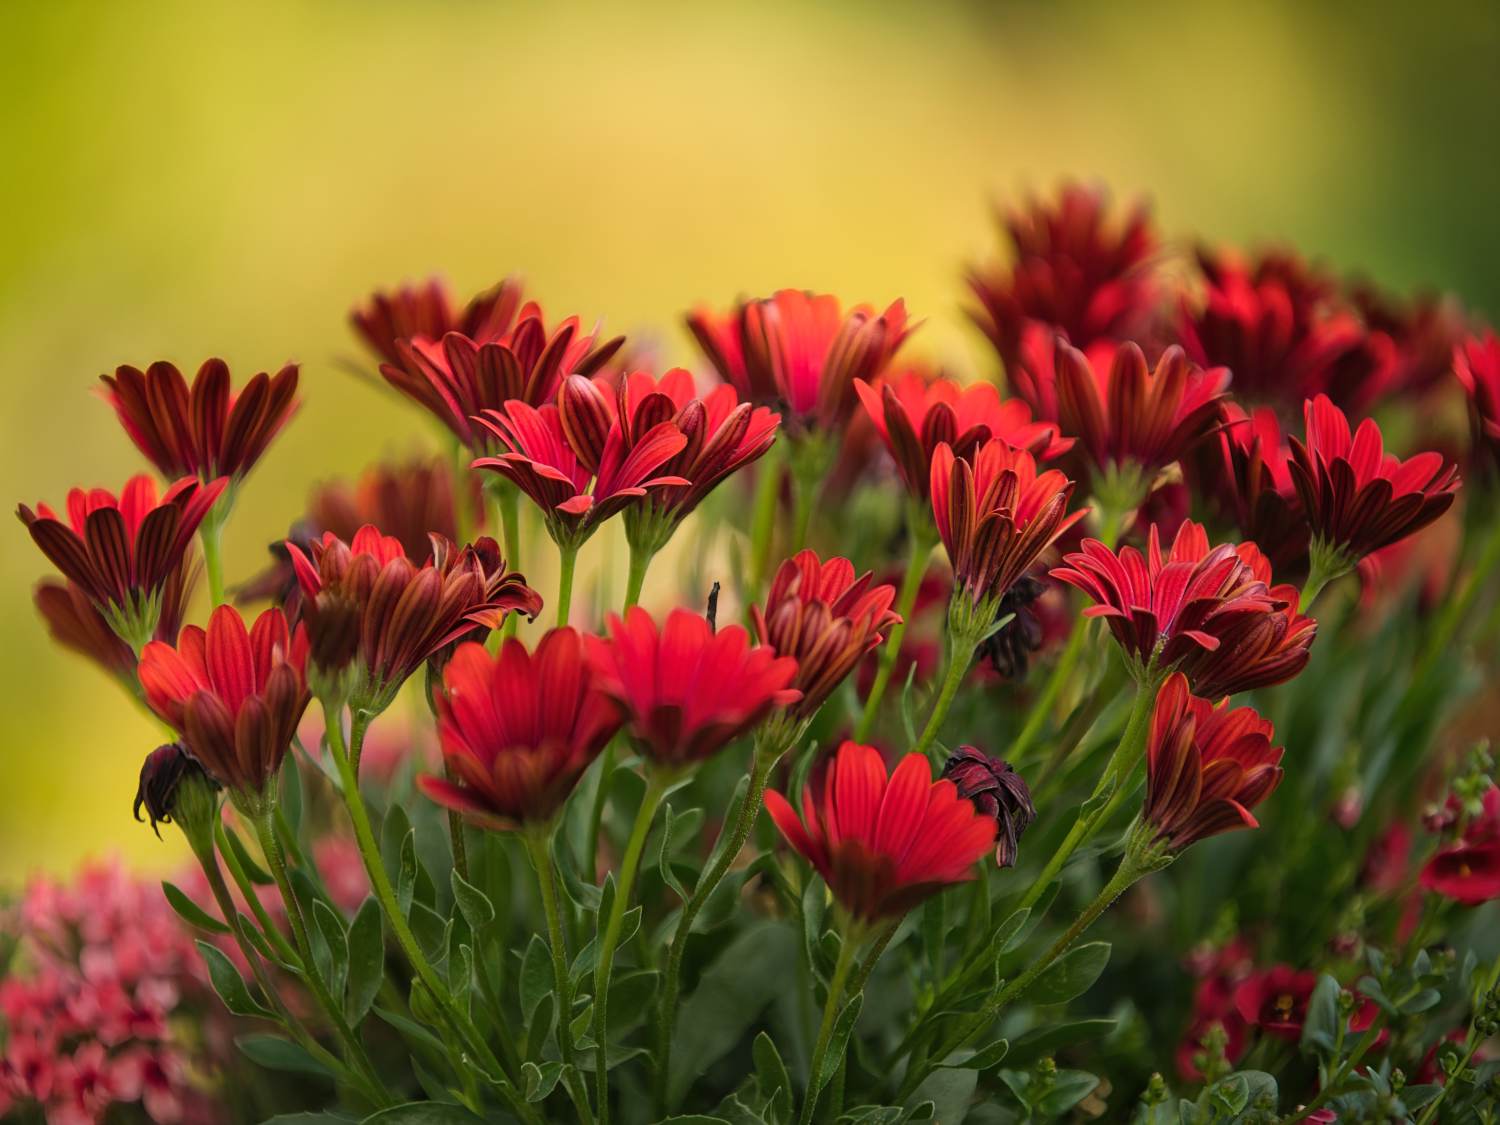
(1250, 475)
(1076, 269)
(207, 431)
(1425, 328)
(74, 623)
(1477, 364)
(1356, 497)
(124, 553)
(235, 696)
(826, 618)
(997, 791)
(458, 377)
(425, 312)
(883, 843)
(996, 514)
(1207, 767)
(915, 415)
(367, 604)
(1275, 1000)
(1127, 415)
(1211, 614)
(802, 350)
(686, 690)
(1468, 871)
(575, 462)
(518, 729)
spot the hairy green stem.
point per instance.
(831, 1009)
(920, 530)
(959, 655)
(640, 559)
(1041, 708)
(546, 878)
(210, 535)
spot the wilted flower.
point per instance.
(163, 774)
(686, 690)
(426, 312)
(884, 843)
(1275, 1000)
(124, 553)
(1009, 648)
(518, 729)
(823, 616)
(1468, 870)
(208, 431)
(997, 791)
(1207, 767)
(1477, 364)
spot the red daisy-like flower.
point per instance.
(1426, 328)
(1468, 870)
(234, 695)
(458, 377)
(686, 690)
(74, 623)
(206, 431)
(1211, 614)
(518, 729)
(1357, 498)
(124, 552)
(368, 606)
(884, 843)
(1248, 472)
(1477, 364)
(996, 515)
(915, 415)
(1275, 1000)
(802, 350)
(578, 466)
(824, 617)
(427, 312)
(1076, 269)
(1207, 767)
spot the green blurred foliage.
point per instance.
(183, 180)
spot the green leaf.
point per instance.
(540, 1080)
(1070, 975)
(536, 976)
(1231, 1095)
(986, 1057)
(406, 882)
(1320, 1028)
(475, 906)
(331, 926)
(190, 912)
(949, 1091)
(769, 1068)
(291, 795)
(1423, 1001)
(664, 856)
(253, 870)
(393, 834)
(1049, 1039)
(423, 1113)
(228, 983)
(431, 930)
(366, 959)
(630, 997)
(838, 1043)
(1068, 1089)
(276, 1053)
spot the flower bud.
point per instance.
(996, 790)
(174, 788)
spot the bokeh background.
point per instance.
(182, 180)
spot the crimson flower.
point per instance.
(125, 552)
(1275, 1000)
(915, 415)
(1250, 475)
(1477, 364)
(997, 791)
(206, 431)
(1357, 498)
(234, 695)
(802, 350)
(827, 619)
(1211, 614)
(1426, 328)
(1468, 870)
(996, 515)
(518, 729)
(1207, 767)
(426, 312)
(577, 469)
(884, 843)
(1076, 268)
(686, 690)
(74, 623)
(458, 377)
(373, 614)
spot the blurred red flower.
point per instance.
(1477, 364)
(426, 312)
(1468, 870)
(1275, 1000)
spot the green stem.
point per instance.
(882, 939)
(1457, 610)
(656, 787)
(247, 890)
(959, 655)
(923, 536)
(640, 559)
(567, 556)
(210, 535)
(763, 519)
(463, 514)
(596, 810)
(507, 500)
(1324, 567)
(1062, 673)
(831, 1008)
(1330, 1088)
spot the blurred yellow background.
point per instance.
(186, 179)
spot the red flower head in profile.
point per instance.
(997, 791)
(1477, 364)
(1468, 870)
(374, 616)
(915, 415)
(884, 843)
(577, 465)
(518, 729)
(458, 377)
(996, 515)
(206, 431)
(234, 695)
(1248, 472)
(1207, 767)
(125, 552)
(1075, 268)
(686, 690)
(426, 312)
(1275, 1000)
(74, 623)
(1211, 614)
(1357, 498)
(824, 617)
(802, 350)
